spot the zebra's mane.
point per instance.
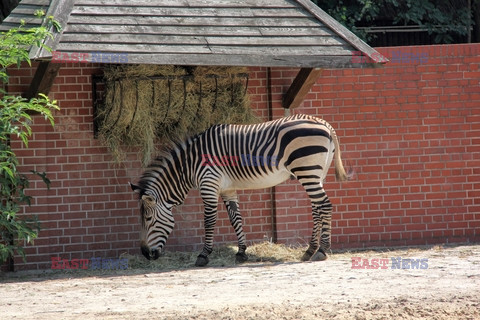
(169, 146)
(164, 154)
(174, 143)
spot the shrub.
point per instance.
(15, 120)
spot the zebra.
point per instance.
(302, 146)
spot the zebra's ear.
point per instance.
(134, 187)
(149, 199)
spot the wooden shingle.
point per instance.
(287, 33)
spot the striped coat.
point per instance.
(226, 158)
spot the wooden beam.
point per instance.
(43, 79)
(341, 31)
(301, 85)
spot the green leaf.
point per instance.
(39, 13)
(8, 171)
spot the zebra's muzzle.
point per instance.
(150, 254)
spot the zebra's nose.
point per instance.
(150, 254)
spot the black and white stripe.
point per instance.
(301, 145)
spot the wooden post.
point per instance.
(301, 85)
(43, 79)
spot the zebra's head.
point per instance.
(157, 222)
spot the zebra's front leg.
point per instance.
(209, 224)
(231, 203)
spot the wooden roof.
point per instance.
(287, 33)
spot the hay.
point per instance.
(220, 257)
(223, 256)
(269, 252)
(263, 253)
(145, 105)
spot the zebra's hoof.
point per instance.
(201, 261)
(241, 257)
(320, 255)
(307, 255)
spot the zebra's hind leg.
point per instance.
(322, 217)
(326, 233)
(231, 202)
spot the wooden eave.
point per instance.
(267, 33)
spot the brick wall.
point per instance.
(410, 131)
(88, 210)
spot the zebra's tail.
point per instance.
(340, 172)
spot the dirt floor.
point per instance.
(448, 288)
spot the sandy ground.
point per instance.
(448, 289)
